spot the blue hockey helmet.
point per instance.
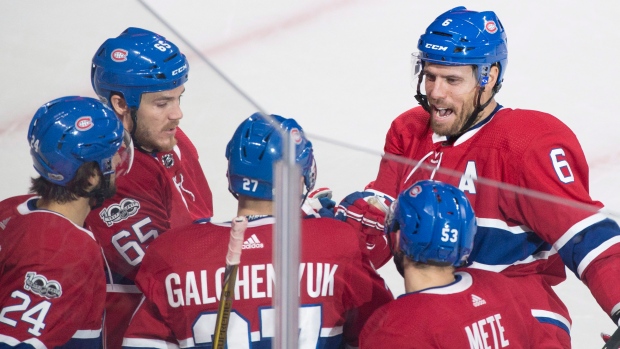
(256, 146)
(436, 222)
(463, 37)
(136, 62)
(70, 131)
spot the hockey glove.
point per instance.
(365, 210)
(319, 204)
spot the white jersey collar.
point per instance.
(463, 282)
(29, 207)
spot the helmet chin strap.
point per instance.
(422, 99)
(304, 197)
(134, 127)
(471, 119)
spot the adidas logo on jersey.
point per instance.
(252, 242)
(4, 223)
(477, 301)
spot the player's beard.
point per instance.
(104, 190)
(148, 141)
(455, 127)
(399, 258)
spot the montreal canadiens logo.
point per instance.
(84, 123)
(296, 135)
(119, 55)
(491, 27)
(415, 191)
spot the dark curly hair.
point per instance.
(77, 187)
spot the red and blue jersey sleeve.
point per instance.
(564, 214)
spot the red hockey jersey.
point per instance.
(52, 279)
(527, 178)
(163, 190)
(181, 277)
(480, 309)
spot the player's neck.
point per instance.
(417, 279)
(488, 110)
(76, 210)
(249, 207)
(485, 113)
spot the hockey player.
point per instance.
(141, 76)
(181, 275)
(459, 128)
(431, 227)
(52, 276)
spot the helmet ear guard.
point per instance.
(436, 223)
(256, 146)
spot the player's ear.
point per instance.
(93, 179)
(493, 74)
(118, 104)
(121, 109)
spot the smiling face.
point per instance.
(158, 118)
(451, 93)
